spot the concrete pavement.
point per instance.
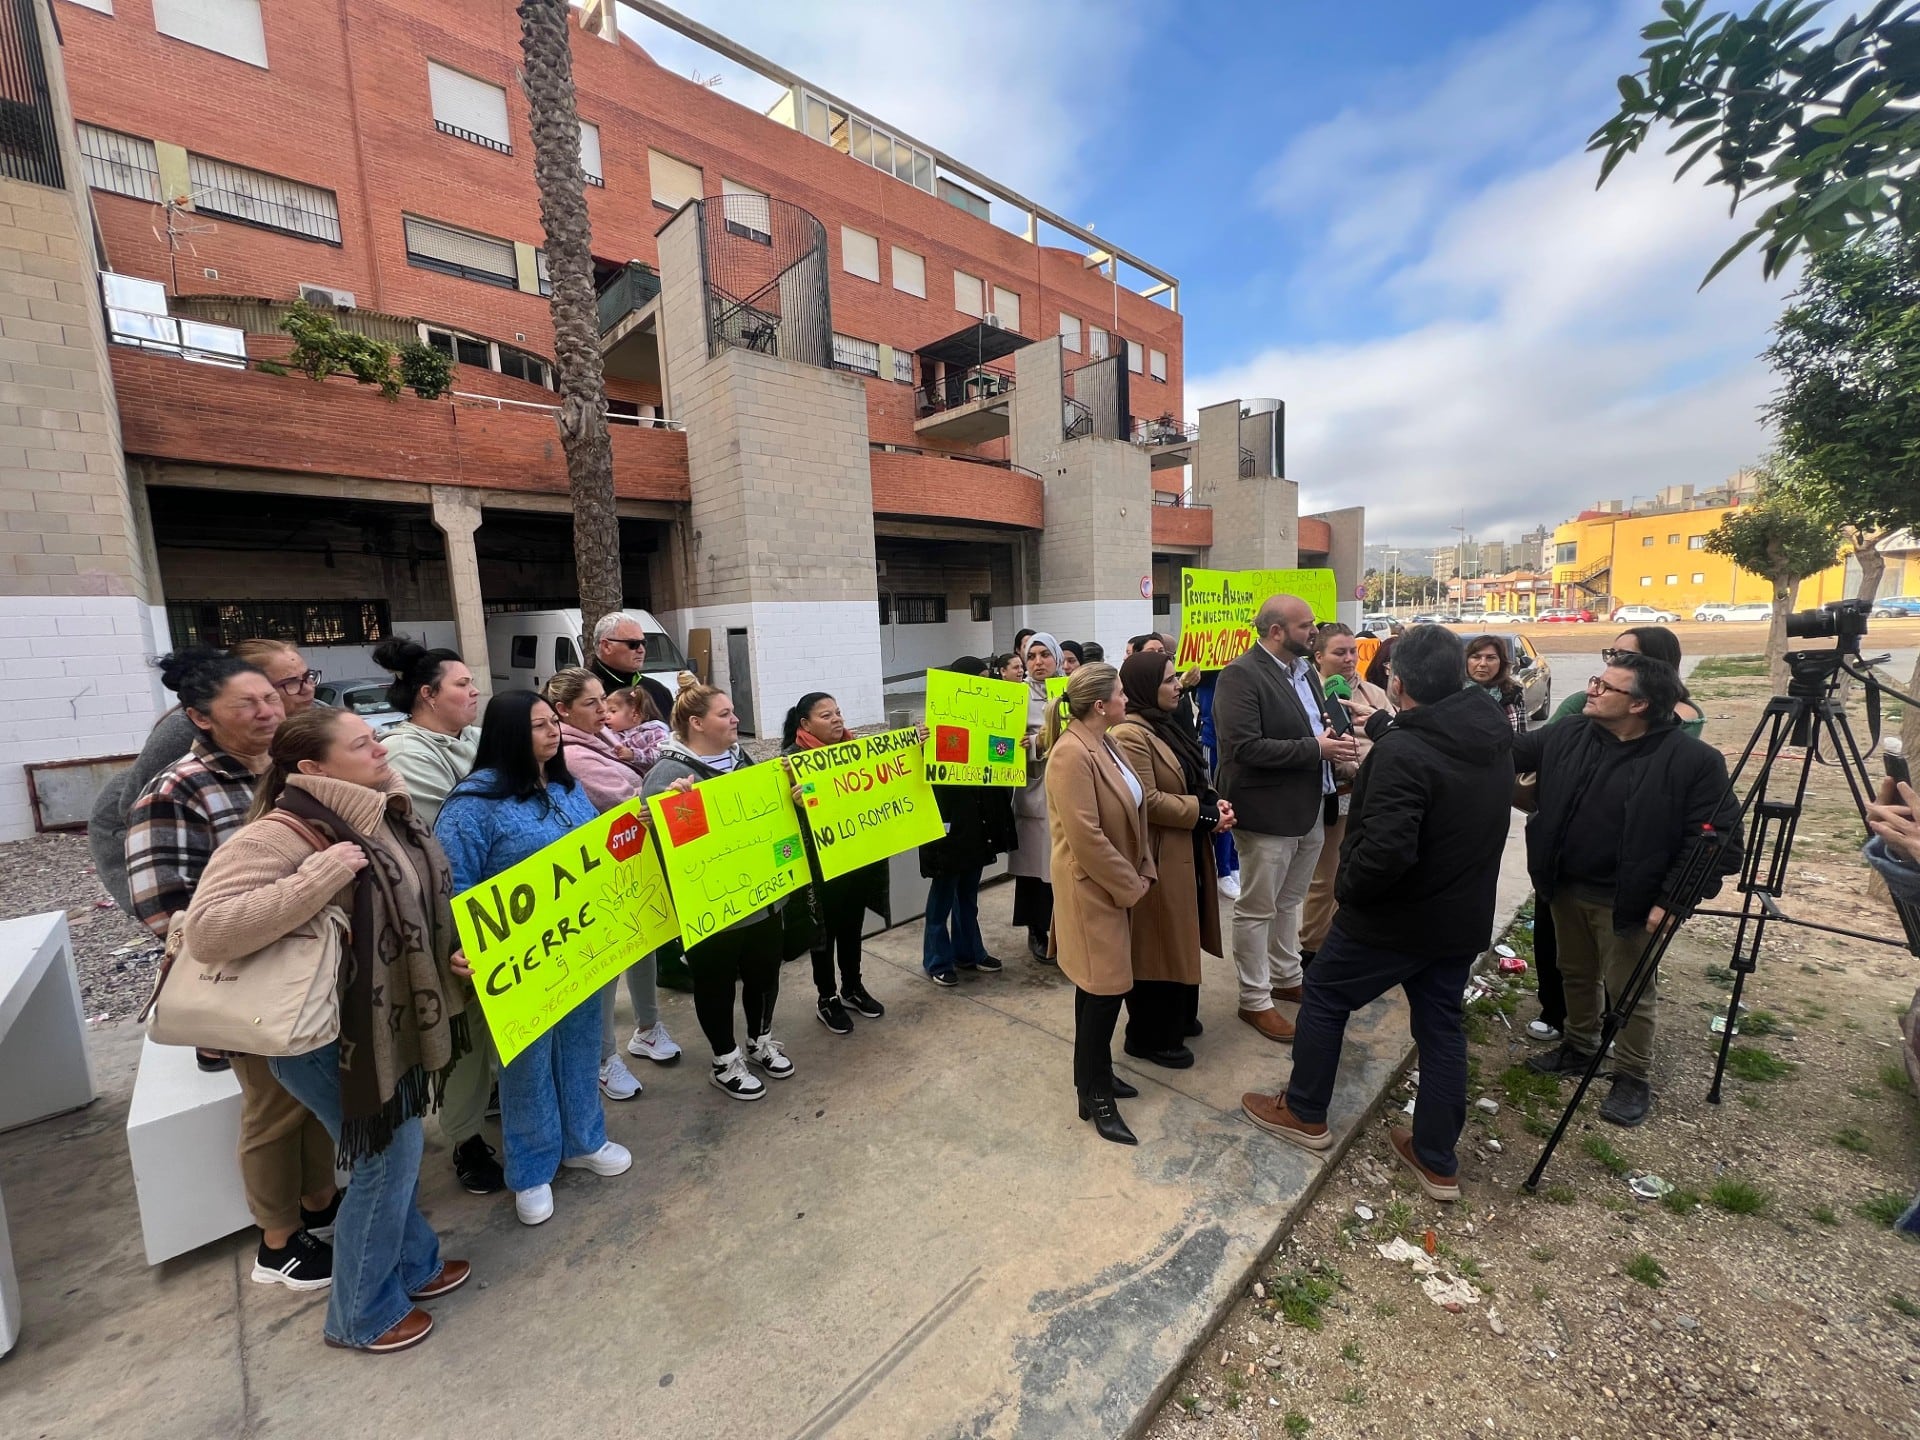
(913, 1236)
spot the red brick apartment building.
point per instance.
(870, 408)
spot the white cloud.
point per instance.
(1018, 92)
(1545, 348)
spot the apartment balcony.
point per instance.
(172, 408)
(630, 323)
(1167, 441)
(1179, 525)
(927, 485)
(966, 407)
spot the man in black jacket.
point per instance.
(1425, 832)
(1622, 791)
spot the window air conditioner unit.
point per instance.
(326, 298)
(992, 322)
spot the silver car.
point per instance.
(366, 697)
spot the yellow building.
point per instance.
(1605, 559)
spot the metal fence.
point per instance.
(765, 273)
(29, 143)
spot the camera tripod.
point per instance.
(1805, 716)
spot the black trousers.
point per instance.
(1159, 1012)
(1546, 966)
(845, 914)
(747, 955)
(1094, 1019)
(1033, 904)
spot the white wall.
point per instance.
(76, 682)
(798, 646)
(921, 647)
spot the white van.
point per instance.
(525, 647)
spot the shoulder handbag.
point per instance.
(283, 999)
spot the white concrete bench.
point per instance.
(44, 1066)
(183, 1136)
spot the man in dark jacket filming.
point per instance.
(1418, 870)
(1622, 791)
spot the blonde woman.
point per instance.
(1100, 854)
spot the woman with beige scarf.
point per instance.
(332, 825)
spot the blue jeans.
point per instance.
(1346, 975)
(952, 933)
(550, 1099)
(383, 1247)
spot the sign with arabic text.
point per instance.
(731, 845)
(977, 726)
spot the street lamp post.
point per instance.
(1393, 579)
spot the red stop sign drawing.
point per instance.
(626, 837)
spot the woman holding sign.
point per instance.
(706, 744)
(521, 798)
(579, 699)
(845, 899)
(1031, 863)
(332, 825)
(1181, 915)
(978, 820)
(1101, 853)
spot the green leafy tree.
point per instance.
(1819, 124)
(1783, 540)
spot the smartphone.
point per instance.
(1894, 750)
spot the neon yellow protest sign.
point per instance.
(544, 936)
(1217, 609)
(976, 727)
(731, 845)
(866, 799)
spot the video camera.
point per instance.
(1844, 620)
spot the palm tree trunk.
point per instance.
(545, 35)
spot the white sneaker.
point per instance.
(609, 1159)
(616, 1081)
(1230, 886)
(535, 1206)
(730, 1073)
(770, 1057)
(1541, 1031)
(654, 1044)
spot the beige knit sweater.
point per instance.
(267, 879)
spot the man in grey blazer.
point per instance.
(1278, 747)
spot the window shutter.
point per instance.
(674, 181)
(469, 107)
(227, 27)
(859, 253)
(590, 151)
(747, 209)
(1070, 332)
(968, 298)
(1006, 307)
(462, 248)
(909, 272)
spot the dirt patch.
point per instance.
(1766, 1295)
(114, 954)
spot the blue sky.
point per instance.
(1381, 213)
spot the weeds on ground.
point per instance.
(1541, 1292)
(1855, 1139)
(1296, 1424)
(1894, 1076)
(1760, 1067)
(1396, 1218)
(1602, 1153)
(1760, 1022)
(1883, 1208)
(1905, 1306)
(1353, 1395)
(1542, 1254)
(1301, 1297)
(1720, 974)
(1726, 667)
(1647, 1270)
(1738, 1197)
(1559, 1195)
(1385, 1309)
(1681, 1201)
(1825, 1215)
(1526, 1090)
(1350, 1352)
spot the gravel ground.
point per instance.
(1787, 1307)
(115, 954)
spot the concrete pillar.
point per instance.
(1347, 557)
(1256, 519)
(456, 515)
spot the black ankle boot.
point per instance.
(1098, 1106)
(1122, 1090)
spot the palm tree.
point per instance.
(545, 35)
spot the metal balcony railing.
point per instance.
(1077, 419)
(1165, 430)
(1246, 463)
(962, 387)
(630, 290)
(766, 290)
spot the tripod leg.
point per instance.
(1726, 1036)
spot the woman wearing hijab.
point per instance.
(979, 828)
(1031, 864)
(1181, 913)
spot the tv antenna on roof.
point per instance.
(166, 227)
(712, 82)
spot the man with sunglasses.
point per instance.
(619, 650)
(1622, 789)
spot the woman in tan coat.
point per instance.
(1102, 869)
(1181, 915)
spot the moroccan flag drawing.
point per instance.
(950, 744)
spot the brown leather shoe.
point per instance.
(409, 1331)
(1292, 994)
(1271, 1114)
(453, 1274)
(1438, 1187)
(1270, 1023)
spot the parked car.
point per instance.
(365, 697)
(1531, 670)
(1566, 617)
(1428, 620)
(1897, 607)
(1746, 610)
(1643, 615)
(1380, 625)
(524, 648)
(1496, 617)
